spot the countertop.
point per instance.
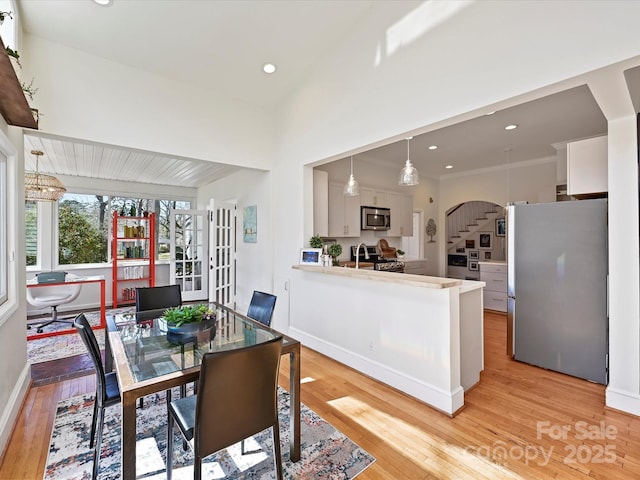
(352, 264)
(392, 277)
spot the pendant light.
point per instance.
(352, 188)
(40, 187)
(408, 174)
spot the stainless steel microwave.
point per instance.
(375, 218)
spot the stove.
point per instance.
(379, 263)
(389, 265)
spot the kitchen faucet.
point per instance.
(366, 253)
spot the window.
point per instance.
(31, 232)
(82, 229)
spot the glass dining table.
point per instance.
(147, 362)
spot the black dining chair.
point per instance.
(156, 298)
(149, 299)
(261, 307)
(237, 398)
(107, 389)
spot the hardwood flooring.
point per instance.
(520, 422)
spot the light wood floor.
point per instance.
(495, 436)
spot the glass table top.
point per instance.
(154, 348)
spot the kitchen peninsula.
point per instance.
(422, 335)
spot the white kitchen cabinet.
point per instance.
(494, 274)
(587, 166)
(344, 213)
(320, 203)
(401, 214)
(415, 267)
(373, 198)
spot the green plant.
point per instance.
(316, 241)
(178, 316)
(29, 90)
(4, 15)
(335, 250)
(13, 53)
(400, 252)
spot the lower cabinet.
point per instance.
(415, 267)
(494, 274)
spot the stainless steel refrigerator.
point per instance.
(557, 286)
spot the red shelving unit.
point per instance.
(133, 252)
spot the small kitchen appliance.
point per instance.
(374, 218)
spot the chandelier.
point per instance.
(40, 187)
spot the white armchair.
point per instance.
(52, 297)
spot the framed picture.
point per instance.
(501, 227)
(473, 265)
(459, 249)
(474, 255)
(470, 243)
(487, 255)
(485, 241)
(311, 256)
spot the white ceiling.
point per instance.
(223, 45)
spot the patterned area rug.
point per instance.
(61, 346)
(326, 452)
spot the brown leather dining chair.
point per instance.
(237, 398)
(107, 389)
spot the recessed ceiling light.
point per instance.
(449, 166)
(268, 68)
(513, 126)
(104, 3)
(433, 147)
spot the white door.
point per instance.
(189, 252)
(222, 253)
(414, 246)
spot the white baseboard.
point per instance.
(13, 406)
(447, 402)
(625, 401)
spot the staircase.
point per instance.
(470, 217)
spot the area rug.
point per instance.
(326, 453)
(62, 346)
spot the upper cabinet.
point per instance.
(401, 214)
(373, 198)
(337, 215)
(320, 203)
(344, 213)
(587, 167)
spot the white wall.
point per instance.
(254, 260)
(86, 97)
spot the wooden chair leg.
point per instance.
(276, 451)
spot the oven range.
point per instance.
(379, 263)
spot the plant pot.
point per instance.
(203, 331)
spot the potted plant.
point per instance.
(316, 241)
(190, 323)
(400, 253)
(335, 250)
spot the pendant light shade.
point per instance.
(352, 188)
(409, 174)
(42, 188)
